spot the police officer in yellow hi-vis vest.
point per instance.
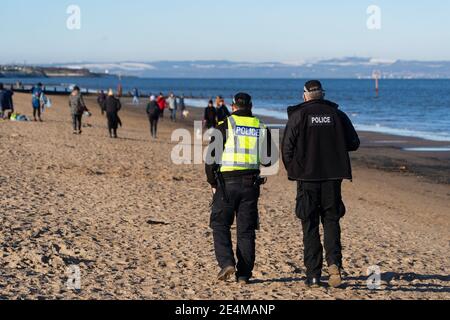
(239, 147)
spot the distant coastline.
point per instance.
(338, 68)
(15, 71)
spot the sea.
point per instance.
(412, 108)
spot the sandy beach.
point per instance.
(137, 226)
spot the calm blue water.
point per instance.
(419, 108)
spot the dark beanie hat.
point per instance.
(243, 100)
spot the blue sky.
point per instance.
(246, 30)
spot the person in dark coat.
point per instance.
(210, 117)
(153, 113)
(222, 112)
(77, 108)
(101, 99)
(316, 146)
(182, 105)
(6, 102)
(112, 107)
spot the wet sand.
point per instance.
(137, 226)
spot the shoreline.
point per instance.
(277, 116)
(388, 152)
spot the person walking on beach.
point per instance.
(153, 116)
(36, 96)
(135, 96)
(101, 100)
(172, 102)
(6, 102)
(182, 105)
(210, 116)
(77, 108)
(233, 172)
(162, 104)
(112, 107)
(316, 146)
(222, 111)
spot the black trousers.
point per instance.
(153, 126)
(100, 104)
(243, 197)
(76, 121)
(113, 123)
(37, 111)
(318, 201)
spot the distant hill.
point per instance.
(14, 71)
(350, 67)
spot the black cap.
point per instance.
(313, 86)
(243, 100)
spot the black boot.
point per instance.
(313, 283)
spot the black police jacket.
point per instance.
(317, 142)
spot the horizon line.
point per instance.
(300, 62)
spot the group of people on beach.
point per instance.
(155, 108)
(158, 104)
(39, 102)
(214, 115)
(109, 105)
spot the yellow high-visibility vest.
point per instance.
(243, 146)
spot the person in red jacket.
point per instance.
(161, 101)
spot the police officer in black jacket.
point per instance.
(316, 146)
